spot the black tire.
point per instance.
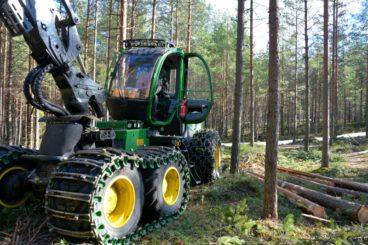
(155, 204)
(11, 163)
(135, 177)
(86, 177)
(205, 153)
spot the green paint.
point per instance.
(120, 124)
(156, 76)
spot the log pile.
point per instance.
(313, 201)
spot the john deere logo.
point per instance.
(140, 142)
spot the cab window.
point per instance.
(133, 76)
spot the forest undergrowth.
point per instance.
(229, 211)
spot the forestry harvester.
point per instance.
(112, 181)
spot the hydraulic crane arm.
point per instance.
(55, 45)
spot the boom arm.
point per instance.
(55, 45)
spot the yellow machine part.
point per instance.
(119, 201)
(171, 186)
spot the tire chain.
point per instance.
(108, 161)
(9, 153)
(201, 151)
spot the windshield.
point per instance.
(133, 76)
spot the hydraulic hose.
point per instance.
(33, 83)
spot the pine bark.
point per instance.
(172, 21)
(326, 107)
(4, 66)
(235, 150)
(336, 82)
(251, 88)
(316, 103)
(153, 29)
(176, 25)
(132, 22)
(9, 104)
(307, 116)
(273, 116)
(95, 42)
(29, 111)
(123, 22)
(109, 38)
(366, 101)
(189, 25)
(86, 40)
(296, 75)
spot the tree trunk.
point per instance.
(282, 115)
(36, 133)
(235, 150)
(336, 83)
(95, 42)
(355, 211)
(176, 25)
(332, 189)
(86, 40)
(172, 21)
(153, 19)
(316, 102)
(251, 88)
(299, 201)
(109, 38)
(366, 101)
(189, 25)
(273, 116)
(29, 111)
(333, 74)
(132, 22)
(9, 102)
(296, 75)
(307, 117)
(5, 60)
(123, 22)
(117, 37)
(326, 109)
(361, 102)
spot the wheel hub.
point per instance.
(119, 202)
(171, 186)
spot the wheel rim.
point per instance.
(119, 202)
(171, 186)
(17, 203)
(218, 158)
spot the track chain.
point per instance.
(99, 164)
(10, 153)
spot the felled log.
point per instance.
(340, 183)
(353, 210)
(335, 190)
(305, 204)
(320, 181)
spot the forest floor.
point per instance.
(228, 211)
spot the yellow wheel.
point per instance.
(164, 188)
(171, 186)
(119, 201)
(8, 172)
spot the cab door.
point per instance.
(197, 87)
